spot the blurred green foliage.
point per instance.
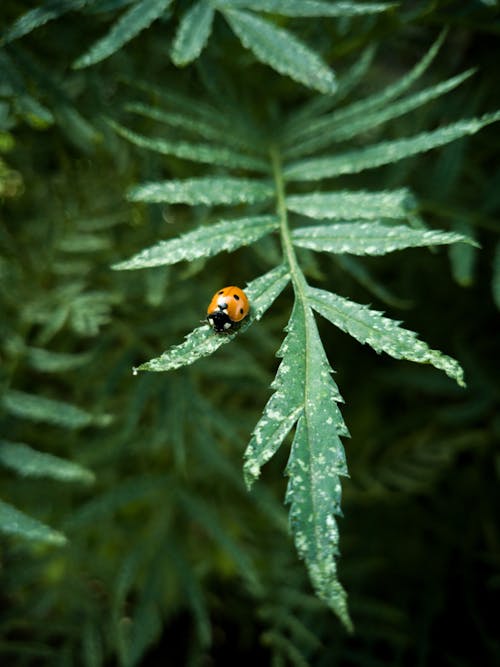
(129, 535)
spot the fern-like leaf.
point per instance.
(349, 205)
(136, 19)
(47, 361)
(308, 7)
(204, 153)
(339, 127)
(29, 462)
(281, 50)
(50, 10)
(306, 394)
(301, 126)
(381, 333)
(204, 190)
(203, 242)
(15, 523)
(369, 238)
(206, 124)
(385, 152)
(193, 32)
(202, 341)
(46, 410)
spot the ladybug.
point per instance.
(227, 308)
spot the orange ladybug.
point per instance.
(227, 308)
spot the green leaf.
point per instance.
(41, 409)
(30, 108)
(381, 333)
(79, 242)
(350, 205)
(206, 190)
(281, 50)
(92, 649)
(385, 152)
(203, 242)
(128, 26)
(29, 462)
(307, 7)
(369, 238)
(305, 391)
(225, 122)
(306, 128)
(50, 10)
(193, 32)
(334, 129)
(16, 523)
(463, 256)
(47, 361)
(286, 405)
(301, 121)
(211, 128)
(201, 342)
(204, 153)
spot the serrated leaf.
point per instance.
(208, 190)
(40, 409)
(348, 205)
(192, 114)
(301, 130)
(29, 462)
(18, 524)
(203, 242)
(202, 341)
(305, 391)
(301, 120)
(205, 127)
(286, 405)
(381, 333)
(50, 10)
(281, 50)
(369, 238)
(204, 153)
(193, 32)
(307, 7)
(140, 16)
(385, 152)
(338, 127)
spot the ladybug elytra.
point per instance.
(227, 308)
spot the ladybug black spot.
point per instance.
(221, 292)
(241, 311)
(235, 296)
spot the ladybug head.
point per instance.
(220, 321)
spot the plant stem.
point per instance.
(286, 241)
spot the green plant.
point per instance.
(280, 168)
